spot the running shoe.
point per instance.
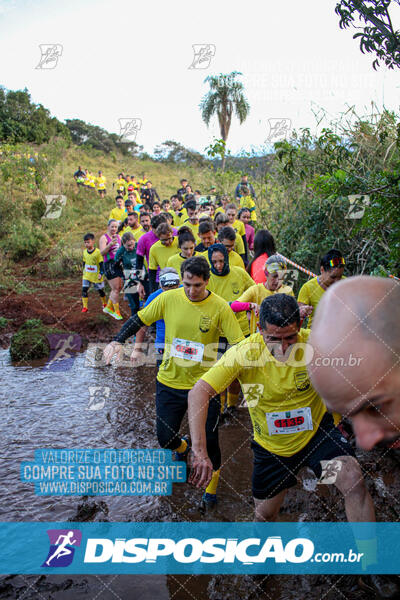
(108, 311)
(84, 309)
(208, 502)
(117, 316)
(182, 455)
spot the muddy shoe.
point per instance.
(182, 455)
(381, 586)
(208, 502)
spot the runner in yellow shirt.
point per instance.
(120, 185)
(118, 213)
(186, 244)
(246, 201)
(229, 283)
(224, 202)
(193, 218)
(291, 426)
(251, 299)
(131, 224)
(93, 269)
(227, 237)
(238, 226)
(194, 320)
(332, 267)
(91, 181)
(221, 220)
(161, 251)
(180, 213)
(101, 182)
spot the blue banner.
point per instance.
(200, 548)
(103, 472)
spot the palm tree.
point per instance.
(225, 96)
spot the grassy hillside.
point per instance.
(54, 246)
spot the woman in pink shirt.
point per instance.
(109, 243)
(264, 246)
(244, 215)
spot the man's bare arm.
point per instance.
(198, 401)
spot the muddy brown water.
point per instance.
(41, 408)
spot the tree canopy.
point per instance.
(377, 35)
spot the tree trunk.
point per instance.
(223, 163)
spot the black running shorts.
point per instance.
(273, 473)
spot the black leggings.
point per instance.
(171, 406)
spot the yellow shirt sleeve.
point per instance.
(239, 245)
(153, 311)
(153, 264)
(226, 370)
(304, 296)
(229, 326)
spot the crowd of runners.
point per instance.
(229, 329)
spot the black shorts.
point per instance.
(272, 473)
(102, 191)
(111, 270)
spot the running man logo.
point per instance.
(54, 206)
(62, 547)
(203, 53)
(252, 393)
(357, 205)
(301, 380)
(289, 276)
(50, 53)
(128, 129)
(278, 129)
(330, 470)
(97, 397)
(205, 322)
(63, 347)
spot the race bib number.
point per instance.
(289, 421)
(91, 268)
(187, 349)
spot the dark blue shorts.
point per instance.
(272, 473)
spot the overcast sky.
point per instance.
(124, 59)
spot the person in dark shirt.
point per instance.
(149, 195)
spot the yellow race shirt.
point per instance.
(256, 293)
(235, 260)
(137, 233)
(248, 202)
(192, 331)
(91, 181)
(279, 395)
(120, 185)
(230, 287)
(91, 267)
(176, 260)
(194, 227)
(119, 214)
(179, 217)
(159, 254)
(311, 293)
(239, 245)
(238, 226)
(219, 209)
(101, 182)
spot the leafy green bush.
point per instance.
(25, 240)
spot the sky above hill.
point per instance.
(131, 60)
